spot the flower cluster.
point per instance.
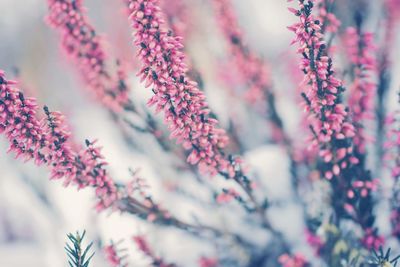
(84, 46)
(361, 52)
(330, 123)
(46, 141)
(329, 120)
(185, 109)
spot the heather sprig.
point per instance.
(185, 110)
(333, 132)
(78, 255)
(329, 119)
(46, 141)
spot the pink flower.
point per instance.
(329, 120)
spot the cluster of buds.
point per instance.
(184, 106)
(46, 141)
(328, 120)
(330, 123)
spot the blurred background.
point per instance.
(36, 213)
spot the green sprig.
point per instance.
(75, 252)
